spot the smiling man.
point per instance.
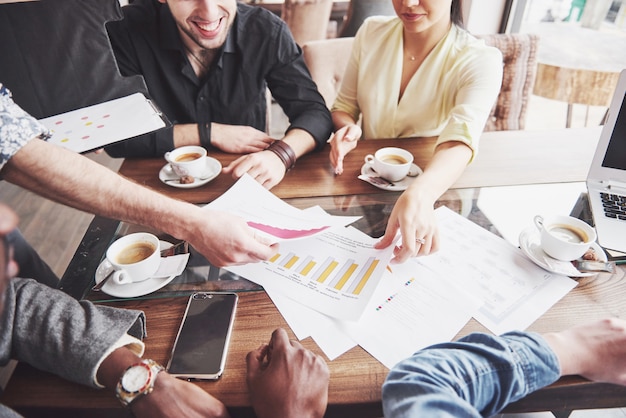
(208, 64)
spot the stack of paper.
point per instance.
(330, 283)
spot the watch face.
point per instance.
(136, 378)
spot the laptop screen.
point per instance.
(615, 156)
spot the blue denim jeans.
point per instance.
(475, 376)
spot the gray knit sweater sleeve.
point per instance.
(52, 331)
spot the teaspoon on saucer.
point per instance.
(98, 287)
(195, 179)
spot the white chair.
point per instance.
(327, 60)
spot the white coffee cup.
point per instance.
(564, 237)
(135, 257)
(390, 163)
(189, 160)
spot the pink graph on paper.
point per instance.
(285, 233)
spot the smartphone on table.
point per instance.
(201, 345)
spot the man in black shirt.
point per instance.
(207, 64)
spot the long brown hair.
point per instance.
(456, 13)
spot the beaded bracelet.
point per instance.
(284, 152)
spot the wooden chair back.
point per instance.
(307, 19)
(519, 60)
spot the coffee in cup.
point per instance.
(185, 158)
(189, 160)
(394, 159)
(564, 237)
(390, 163)
(135, 257)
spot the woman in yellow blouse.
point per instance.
(417, 74)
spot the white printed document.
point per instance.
(429, 299)
(513, 289)
(333, 285)
(96, 126)
(415, 309)
(272, 217)
(412, 306)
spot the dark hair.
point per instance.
(456, 13)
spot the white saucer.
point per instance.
(131, 290)
(529, 241)
(367, 171)
(213, 169)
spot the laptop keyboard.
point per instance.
(614, 205)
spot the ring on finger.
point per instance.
(421, 241)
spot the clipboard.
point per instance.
(94, 127)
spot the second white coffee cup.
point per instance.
(189, 160)
(564, 237)
(135, 257)
(390, 163)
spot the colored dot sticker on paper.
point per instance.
(390, 298)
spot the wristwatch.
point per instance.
(137, 380)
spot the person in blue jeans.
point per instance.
(480, 374)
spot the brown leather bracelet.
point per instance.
(284, 152)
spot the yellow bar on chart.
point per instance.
(327, 272)
(365, 278)
(307, 268)
(289, 264)
(275, 257)
(346, 276)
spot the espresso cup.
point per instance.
(564, 237)
(189, 160)
(135, 257)
(390, 163)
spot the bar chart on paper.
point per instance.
(346, 275)
(335, 272)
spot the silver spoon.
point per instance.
(98, 287)
(195, 179)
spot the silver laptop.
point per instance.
(606, 181)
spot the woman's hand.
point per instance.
(414, 217)
(341, 143)
(414, 212)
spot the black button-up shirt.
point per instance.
(259, 52)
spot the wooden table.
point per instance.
(504, 159)
(356, 378)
